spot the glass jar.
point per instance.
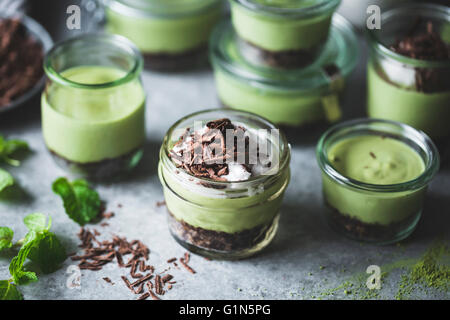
(288, 33)
(375, 212)
(224, 219)
(285, 97)
(400, 88)
(93, 106)
(171, 34)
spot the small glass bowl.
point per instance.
(379, 214)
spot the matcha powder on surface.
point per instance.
(432, 271)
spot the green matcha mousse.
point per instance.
(365, 182)
(89, 125)
(287, 26)
(228, 209)
(409, 78)
(168, 33)
(285, 97)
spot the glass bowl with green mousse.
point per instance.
(409, 68)
(286, 97)
(286, 33)
(375, 175)
(171, 34)
(93, 106)
(224, 174)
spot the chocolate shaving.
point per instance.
(188, 268)
(206, 155)
(144, 296)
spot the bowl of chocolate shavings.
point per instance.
(23, 44)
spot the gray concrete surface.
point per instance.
(304, 260)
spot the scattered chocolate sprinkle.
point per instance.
(153, 295)
(108, 215)
(188, 268)
(187, 257)
(171, 260)
(108, 280)
(104, 224)
(140, 289)
(160, 203)
(166, 278)
(139, 281)
(21, 59)
(144, 296)
(127, 283)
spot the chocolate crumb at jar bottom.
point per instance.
(371, 232)
(217, 243)
(176, 61)
(108, 168)
(278, 59)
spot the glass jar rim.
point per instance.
(418, 137)
(342, 39)
(119, 41)
(284, 158)
(154, 8)
(301, 12)
(377, 46)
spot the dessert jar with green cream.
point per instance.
(285, 33)
(224, 174)
(375, 175)
(286, 97)
(171, 34)
(93, 107)
(409, 68)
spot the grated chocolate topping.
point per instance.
(207, 153)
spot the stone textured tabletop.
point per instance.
(305, 261)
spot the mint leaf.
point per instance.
(16, 268)
(82, 204)
(37, 222)
(9, 147)
(6, 236)
(8, 291)
(6, 179)
(48, 252)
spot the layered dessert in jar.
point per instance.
(93, 107)
(284, 33)
(375, 175)
(171, 34)
(286, 97)
(409, 68)
(224, 174)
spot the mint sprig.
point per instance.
(82, 204)
(6, 236)
(9, 291)
(6, 179)
(40, 246)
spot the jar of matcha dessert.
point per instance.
(285, 33)
(409, 68)
(287, 97)
(93, 106)
(224, 174)
(170, 34)
(375, 175)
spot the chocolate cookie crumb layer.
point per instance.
(175, 62)
(278, 59)
(371, 232)
(108, 168)
(218, 240)
(21, 59)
